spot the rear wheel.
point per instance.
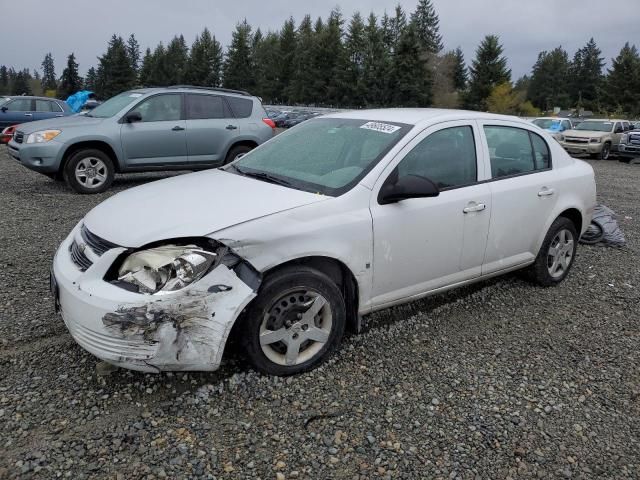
(89, 171)
(237, 152)
(556, 254)
(295, 323)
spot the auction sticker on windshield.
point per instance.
(380, 127)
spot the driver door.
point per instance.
(423, 244)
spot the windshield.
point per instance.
(595, 126)
(114, 105)
(546, 123)
(3, 99)
(324, 155)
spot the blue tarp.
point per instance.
(78, 99)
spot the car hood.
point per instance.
(59, 123)
(585, 133)
(191, 205)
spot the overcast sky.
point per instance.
(525, 26)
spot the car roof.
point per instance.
(415, 116)
(605, 120)
(196, 89)
(12, 97)
(552, 118)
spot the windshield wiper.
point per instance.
(264, 176)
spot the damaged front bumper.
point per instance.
(182, 330)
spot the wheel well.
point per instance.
(575, 216)
(341, 275)
(97, 144)
(246, 143)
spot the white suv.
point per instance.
(336, 218)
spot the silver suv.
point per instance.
(171, 128)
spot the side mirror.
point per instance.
(4, 109)
(133, 117)
(397, 189)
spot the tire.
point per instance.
(605, 152)
(277, 316)
(541, 270)
(98, 167)
(236, 152)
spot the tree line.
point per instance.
(397, 59)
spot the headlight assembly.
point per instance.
(165, 269)
(596, 140)
(43, 136)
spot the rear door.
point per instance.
(160, 137)
(211, 128)
(18, 110)
(46, 109)
(524, 191)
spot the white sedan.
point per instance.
(289, 245)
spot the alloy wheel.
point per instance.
(91, 172)
(560, 254)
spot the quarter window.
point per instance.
(44, 106)
(205, 106)
(19, 105)
(446, 157)
(160, 108)
(514, 151)
(242, 107)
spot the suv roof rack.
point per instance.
(214, 89)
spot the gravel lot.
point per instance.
(498, 380)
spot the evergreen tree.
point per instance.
(460, 75)
(160, 72)
(205, 61)
(376, 64)
(623, 83)
(146, 68)
(397, 26)
(48, 73)
(265, 54)
(177, 57)
(133, 52)
(355, 46)
(331, 60)
(585, 77)
(488, 70)
(21, 84)
(427, 25)
(70, 81)
(411, 85)
(115, 73)
(549, 84)
(304, 73)
(287, 56)
(91, 80)
(4, 80)
(238, 73)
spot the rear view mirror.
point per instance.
(397, 189)
(133, 117)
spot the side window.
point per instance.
(55, 107)
(19, 105)
(161, 108)
(242, 107)
(446, 157)
(566, 125)
(510, 151)
(618, 128)
(540, 151)
(43, 106)
(205, 106)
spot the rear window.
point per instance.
(241, 107)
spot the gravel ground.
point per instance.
(498, 380)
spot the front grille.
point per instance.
(635, 139)
(78, 256)
(576, 140)
(18, 137)
(97, 244)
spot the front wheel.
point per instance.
(89, 171)
(296, 322)
(237, 152)
(556, 255)
(604, 153)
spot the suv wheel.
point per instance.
(89, 171)
(604, 153)
(295, 323)
(556, 255)
(236, 152)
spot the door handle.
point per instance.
(177, 128)
(231, 127)
(60, 115)
(474, 207)
(546, 192)
(28, 114)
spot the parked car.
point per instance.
(290, 244)
(554, 125)
(172, 128)
(24, 109)
(629, 147)
(597, 138)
